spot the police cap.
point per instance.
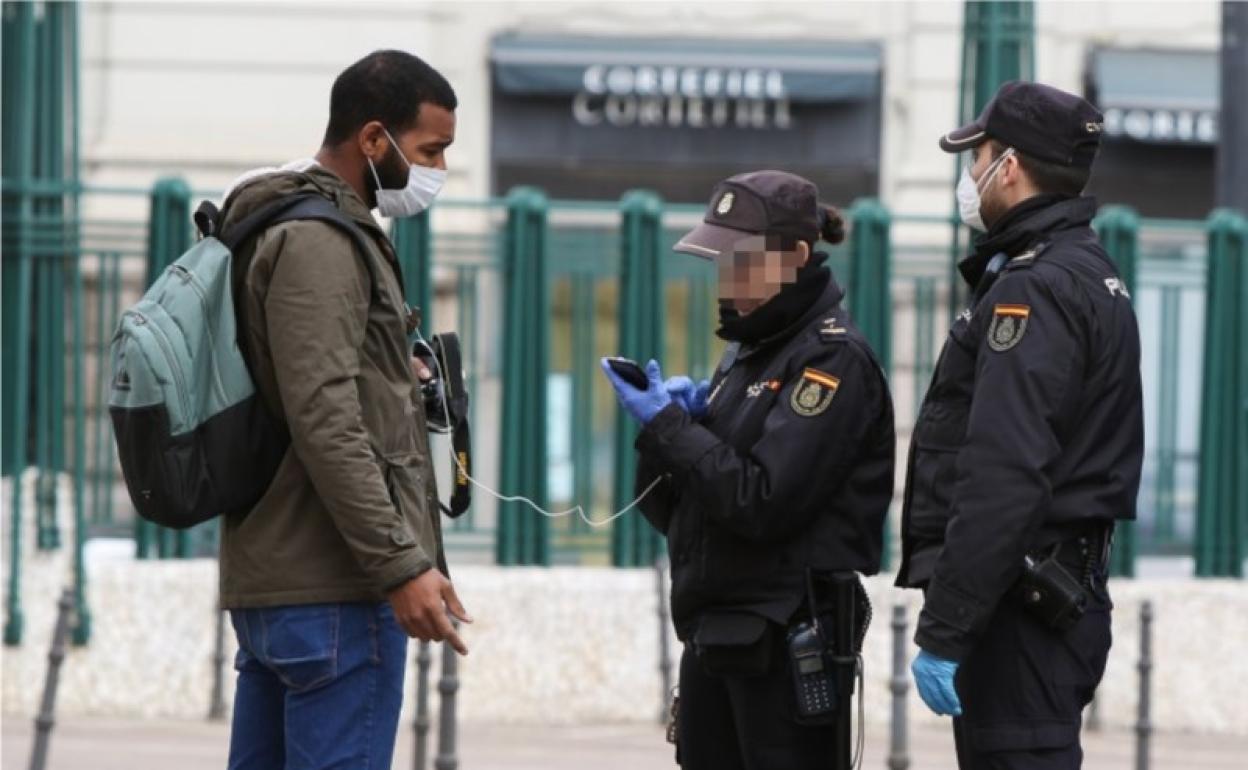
(1037, 120)
(774, 203)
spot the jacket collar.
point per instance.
(1023, 226)
(344, 197)
(829, 300)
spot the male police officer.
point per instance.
(1027, 447)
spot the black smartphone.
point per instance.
(629, 370)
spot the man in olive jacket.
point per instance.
(341, 560)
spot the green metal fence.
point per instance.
(539, 291)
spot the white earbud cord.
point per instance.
(577, 509)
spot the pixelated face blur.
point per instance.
(757, 269)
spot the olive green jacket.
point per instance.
(353, 510)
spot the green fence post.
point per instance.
(870, 276)
(870, 296)
(49, 340)
(634, 542)
(108, 297)
(523, 534)
(584, 372)
(19, 141)
(82, 611)
(413, 241)
(1222, 491)
(998, 45)
(49, 165)
(1119, 231)
(168, 236)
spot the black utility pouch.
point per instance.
(1051, 594)
(733, 644)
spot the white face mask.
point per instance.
(969, 192)
(423, 185)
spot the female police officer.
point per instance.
(772, 478)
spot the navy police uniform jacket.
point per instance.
(1032, 432)
(791, 467)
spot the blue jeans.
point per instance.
(319, 687)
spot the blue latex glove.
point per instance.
(933, 676)
(643, 405)
(698, 401)
(692, 398)
(681, 389)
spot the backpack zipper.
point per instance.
(189, 278)
(170, 358)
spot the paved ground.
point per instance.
(112, 745)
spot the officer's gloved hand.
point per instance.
(698, 402)
(933, 676)
(688, 396)
(643, 405)
(680, 388)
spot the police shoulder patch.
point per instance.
(1009, 323)
(813, 393)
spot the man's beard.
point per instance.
(392, 170)
(991, 210)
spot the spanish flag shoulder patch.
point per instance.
(1009, 323)
(814, 392)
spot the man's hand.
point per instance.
(421, 606)
(420, 370)
(933, 676)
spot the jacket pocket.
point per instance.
(937, 439)
(300, 644)
(404, 473)
(931, 491)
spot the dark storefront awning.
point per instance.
(1164, 97)
(596, 116)
(696, 67)
(1161, 129)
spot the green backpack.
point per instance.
(194, 439)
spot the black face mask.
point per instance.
(781, 311)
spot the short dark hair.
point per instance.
(388, 86)
(1048, 177)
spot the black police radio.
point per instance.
(813, 681)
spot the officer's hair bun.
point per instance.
(831, 224)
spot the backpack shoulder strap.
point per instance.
(289, 209)
(317, 208)
(294, 208)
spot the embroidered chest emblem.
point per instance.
(759, 388)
